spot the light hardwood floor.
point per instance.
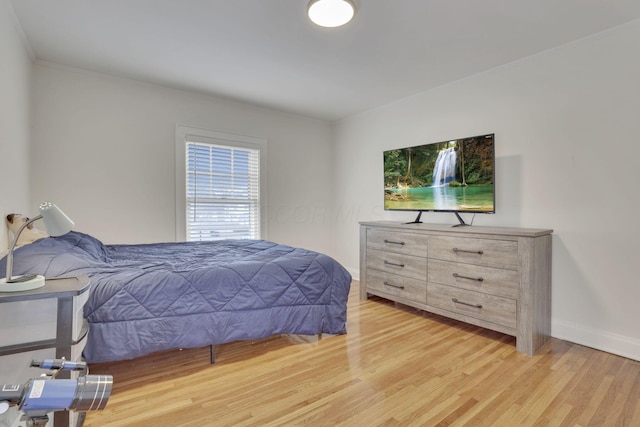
(396, 366)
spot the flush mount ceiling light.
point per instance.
(331, 13)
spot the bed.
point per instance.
(153, 297)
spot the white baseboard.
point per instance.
(597, 339)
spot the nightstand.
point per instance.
(43, 323)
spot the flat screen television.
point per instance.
(449, 176)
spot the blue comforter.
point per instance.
(147, 298)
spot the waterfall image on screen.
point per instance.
(450, 176)
(444, 171)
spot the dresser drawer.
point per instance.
(491, 280)
(415, 290)
(488, 252)
(405, 265)
(402, 243)
(490, 308)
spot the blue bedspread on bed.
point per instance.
(147, 298)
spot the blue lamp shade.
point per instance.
(57, 223)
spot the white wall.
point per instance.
(567, 125)
(15, 80)
(105, 154)
(15, 185)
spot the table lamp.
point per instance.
(57, 223)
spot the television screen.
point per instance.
(450, 176)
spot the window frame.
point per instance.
(187, 133)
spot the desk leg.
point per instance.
(64, 342)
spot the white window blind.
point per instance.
(222, 192)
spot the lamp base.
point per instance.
(27, 285)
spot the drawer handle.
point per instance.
(393, 243)
(393, 263)
(457, 301)
(460, 276)
(393, 286)
(467, 251)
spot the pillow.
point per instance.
(69, 254)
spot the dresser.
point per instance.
(494, 277)
(43, 323)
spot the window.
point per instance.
(219, 184)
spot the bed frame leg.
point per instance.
(212, 354)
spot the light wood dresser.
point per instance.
(494, 277)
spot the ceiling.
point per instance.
(268, 53)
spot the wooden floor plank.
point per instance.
(396, 366)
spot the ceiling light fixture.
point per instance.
(331, 13)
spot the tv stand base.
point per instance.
(462, 223)
(417, 220)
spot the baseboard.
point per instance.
(355, 273)
(597, 339)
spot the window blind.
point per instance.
(222, 192)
